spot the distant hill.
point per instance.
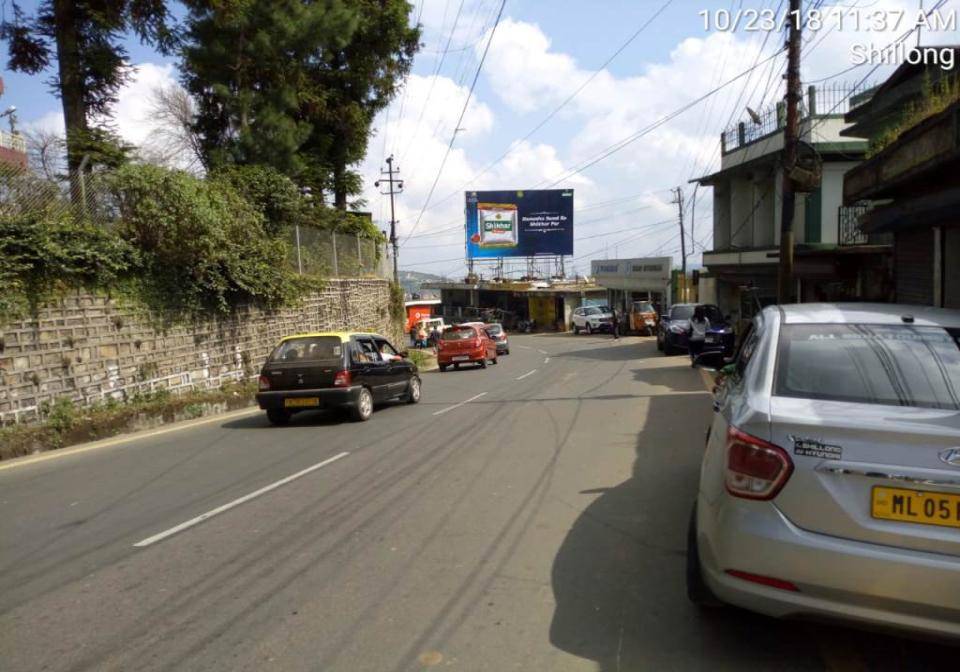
(411, 280)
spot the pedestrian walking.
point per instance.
(616, 324)
(697, 333)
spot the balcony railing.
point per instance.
(850, 227)
(13, 141)
(819, 101)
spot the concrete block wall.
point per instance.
(90, 348)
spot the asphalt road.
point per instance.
(538, 526)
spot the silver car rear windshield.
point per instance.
(872, 364)
(308, 349)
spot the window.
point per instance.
(495, 330)
(898, 365)
(459, 334)
(366, 351)
(682, 312)
(308, 349)
(748, 346)
(386, 351)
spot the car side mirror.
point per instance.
(710, 361)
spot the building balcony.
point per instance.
(13, 141)
(850, 229)
(831, 101)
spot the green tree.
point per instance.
(249, 66)
(84, 38)
(360, 80)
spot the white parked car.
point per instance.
(592, 318)
(830, 485)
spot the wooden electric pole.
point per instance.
(391, 190)
(683, 243)
(790, 139)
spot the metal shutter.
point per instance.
(913, 254)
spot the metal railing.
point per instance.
(850, 227)
(834, 99)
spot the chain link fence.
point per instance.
(328, 253)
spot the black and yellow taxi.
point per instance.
(335, 370)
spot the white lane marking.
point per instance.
(465, 401)
(528, 373)
(525, 347)
(546, 360)
(237, 502)
(542, 352)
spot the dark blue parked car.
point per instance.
(675, 323)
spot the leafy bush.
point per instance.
(272, 194)
(202, 247)
(934, 99)
(44, 253)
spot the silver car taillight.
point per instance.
(756, 469)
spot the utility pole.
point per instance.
(790, 140)
(391, 181)
(683, 242)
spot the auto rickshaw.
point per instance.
(643, 318)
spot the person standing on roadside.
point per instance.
(697, 333)
(616, 324)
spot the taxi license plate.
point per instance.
(461, 358)
(300, 402)
(915, 506)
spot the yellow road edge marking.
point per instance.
(125, 438)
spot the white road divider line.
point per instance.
(237, 502)
(528, 373)
(542, 352)
(546, 360)
(465, 401)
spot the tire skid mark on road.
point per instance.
(447, 620)
(237, 502)
(216, 584)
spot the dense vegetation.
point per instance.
(180, 245)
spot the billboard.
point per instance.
(519, 223)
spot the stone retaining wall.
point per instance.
(88, 348)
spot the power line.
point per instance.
(433, 81)
(516, 144)
(620, 144)
(456, 128)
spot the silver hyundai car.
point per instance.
(830, 485)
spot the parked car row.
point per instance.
(830, 484)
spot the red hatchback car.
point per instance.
(465, 344)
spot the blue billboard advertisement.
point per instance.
(519, 223)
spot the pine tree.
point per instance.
(249, 64)
(84, 38)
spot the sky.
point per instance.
(562, 84)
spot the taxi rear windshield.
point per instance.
(459, 334)
(309, 349)
(894, 365)
(495, 329)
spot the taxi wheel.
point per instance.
(413, 390)
(483, 363)
(278, 417)
(493, 361)
(443, 368)
(363, 408)
(507, 351)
